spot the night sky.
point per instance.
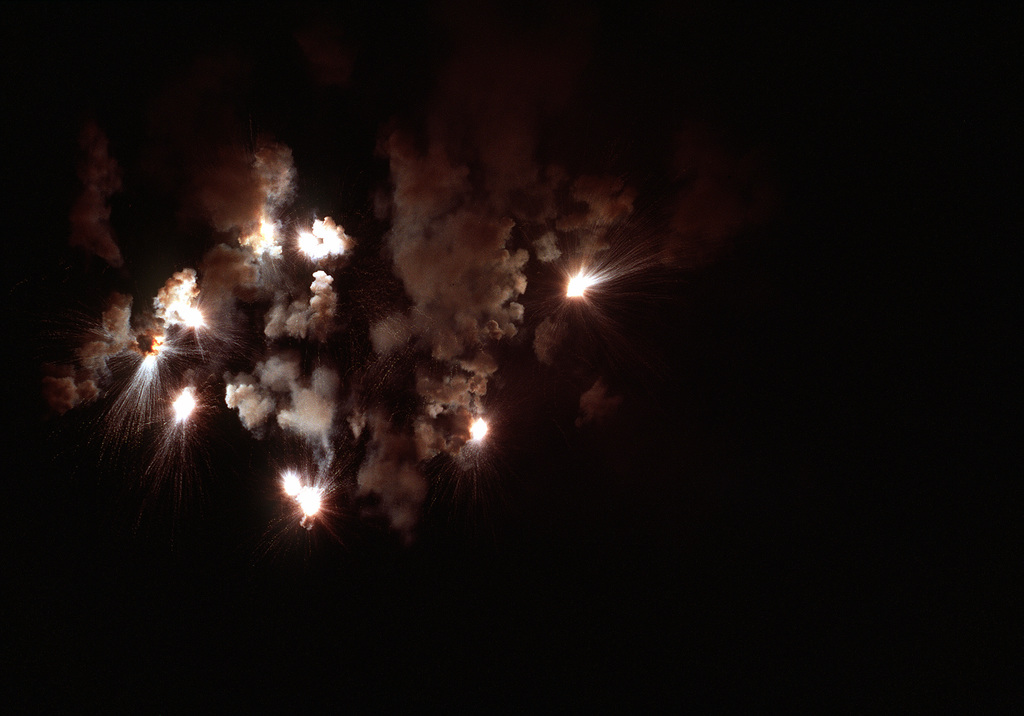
(769, 461)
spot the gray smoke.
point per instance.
(66, 386)
(391, 473)
(597, 404)
(302, 405)
(302, 319)
(90, 215)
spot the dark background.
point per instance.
(815, 505)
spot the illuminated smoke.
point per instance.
(175, 302)
(597, 404)
(311, 410)
(64, 392)
(154, 346)
(546, 247)
(391, 475)
(459, 191)
(229, 273)
(305, 406)
(300, 319)
(90, 215)
(65, 386)
(253, 405)
(462, 277)
(265, 240)
(457, 198)
(239, 191)
(325, 239)
(546, 338)
(184, 405)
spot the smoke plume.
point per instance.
(90, 215)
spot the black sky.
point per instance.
(803, 500)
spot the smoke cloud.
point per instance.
(301, 319)
(305, 406)
(390, 473)
(723, 192)
(66, 386)
(457, 198)
(90, 215)
(64, 390)
(597, 404)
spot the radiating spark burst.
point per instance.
(190, 315)
(478, 430)
(184, 405)
(176, 301)
(137, 398)
(325, 239)
(579, 283)
(309, 500)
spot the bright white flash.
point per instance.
(264, 241)
(176, 301)
(578, 284)
(290, 483)
(190, 315)
(184, 405)
(309, 500)
(326, 239)
(478, 429)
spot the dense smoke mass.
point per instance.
(486, 356)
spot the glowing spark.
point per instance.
(478, 429)
(309, 500)
(263, 241)
(184, 405)
(326, 239)
(290, 483)
(578, 284)
(150, 346)
(189, 315)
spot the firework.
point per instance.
(325, 239)
(309, 498)
(184, 405)
(478, 430)
(290, 483)
(579, 284)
